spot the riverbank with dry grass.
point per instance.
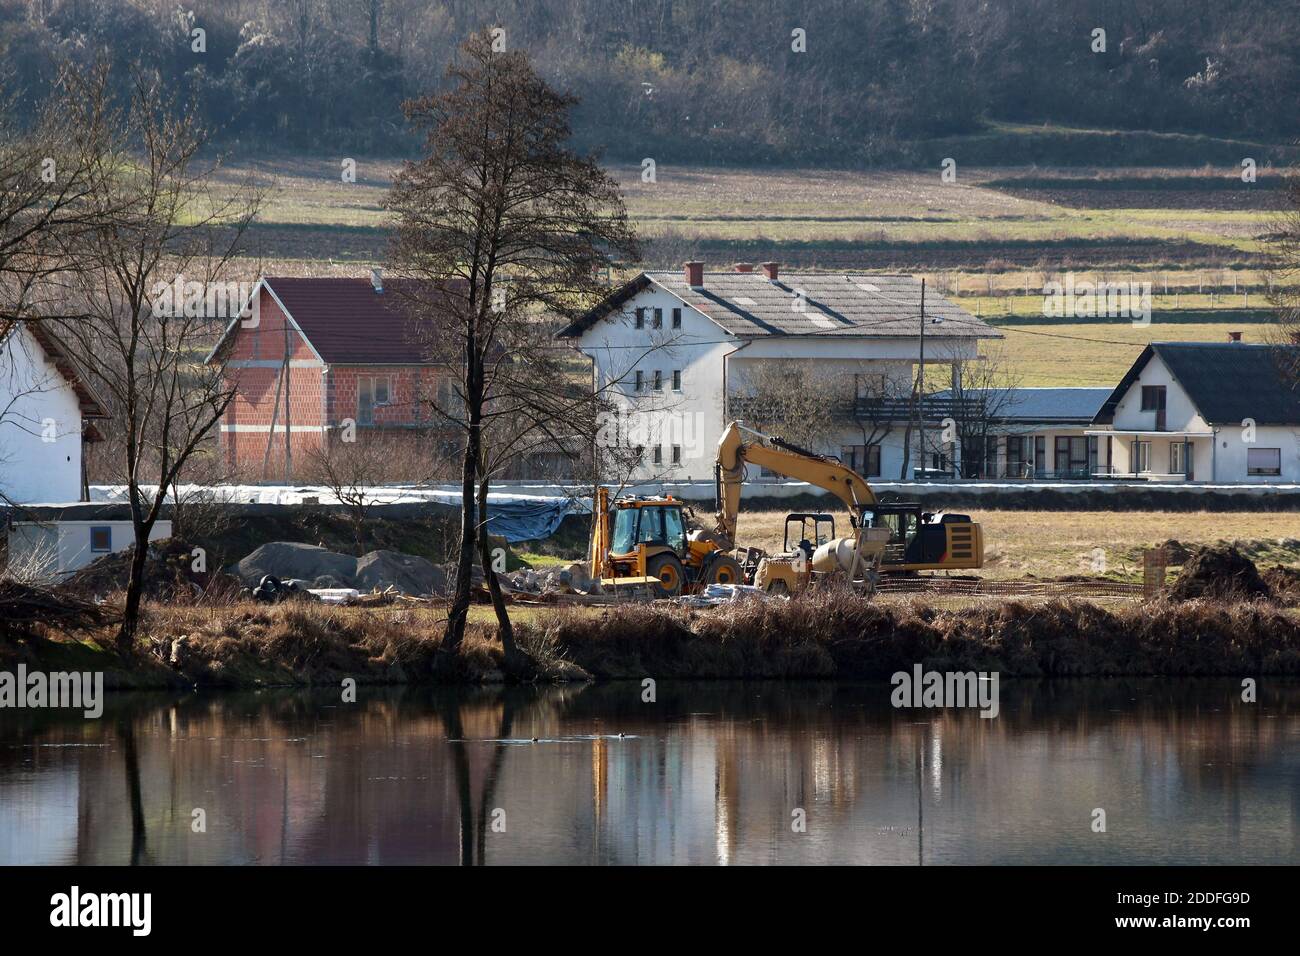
(824, 636)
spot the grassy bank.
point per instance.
(826, 636)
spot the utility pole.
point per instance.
(920, 396)
(288, 415)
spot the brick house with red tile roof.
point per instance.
(353, 355)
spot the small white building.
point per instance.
(55, 548)
(1202, 411)
(679, 353)
(45, 412)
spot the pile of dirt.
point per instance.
(291, 560)
(1176, 552)
(169, 574)
(408, 573)
(1219, 572)
(1283, 581)
(316, 567)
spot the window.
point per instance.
(1176, 457)
(1071, 455)
(1263, 461)
(1153, 398)
(650, 529)
(1018, 464)
(101, 539)
(659, 454)
(1040, 454)
(674, 530)
(638, 384)
(677, 380)
(623, 539)
(659, 319)
(864, 459)
(677, 454)
(373, 391)
(640, 318)
(659, 381)
(1142, 454)
(677, 318)
(448, 398)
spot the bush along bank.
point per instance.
(843, 636)
(823, 636)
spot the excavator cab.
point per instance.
(924, 541)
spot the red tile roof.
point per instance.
(348, 323)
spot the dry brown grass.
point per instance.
(246, 643)
(1049, 544)
(845, 636)
(828, 634)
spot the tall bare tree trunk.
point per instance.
(458, 613)
(135, 582)
(505, 631)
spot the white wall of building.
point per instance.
(691, 417)
(40, 426)
(58, 548)
(712, 363)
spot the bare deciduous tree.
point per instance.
(500, 223)
(156, 218)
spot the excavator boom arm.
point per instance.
(734, 453)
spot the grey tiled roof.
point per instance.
(833, 304)
(1226, 381)
(1043, 404)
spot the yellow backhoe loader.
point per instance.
(645, 542)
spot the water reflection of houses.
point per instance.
(284, 778)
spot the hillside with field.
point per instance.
(990, 240)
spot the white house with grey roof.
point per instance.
(679, 351)
(1032, 433)
(1205, 411)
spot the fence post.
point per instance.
(1154, 563)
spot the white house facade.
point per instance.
(1201, 411)
(45, 409)
(677, 352)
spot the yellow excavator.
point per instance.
(893, 538)
(646, 542)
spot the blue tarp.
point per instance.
(526, 518)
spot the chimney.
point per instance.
(1234, 336)
(770, 269)
(695, 274)
(744, 267)
(377, 279)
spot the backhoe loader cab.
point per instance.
(646, 542)
(807, 532)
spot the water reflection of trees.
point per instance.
(707, 773)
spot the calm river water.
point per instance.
(709, 773)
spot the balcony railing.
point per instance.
(930, 409)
